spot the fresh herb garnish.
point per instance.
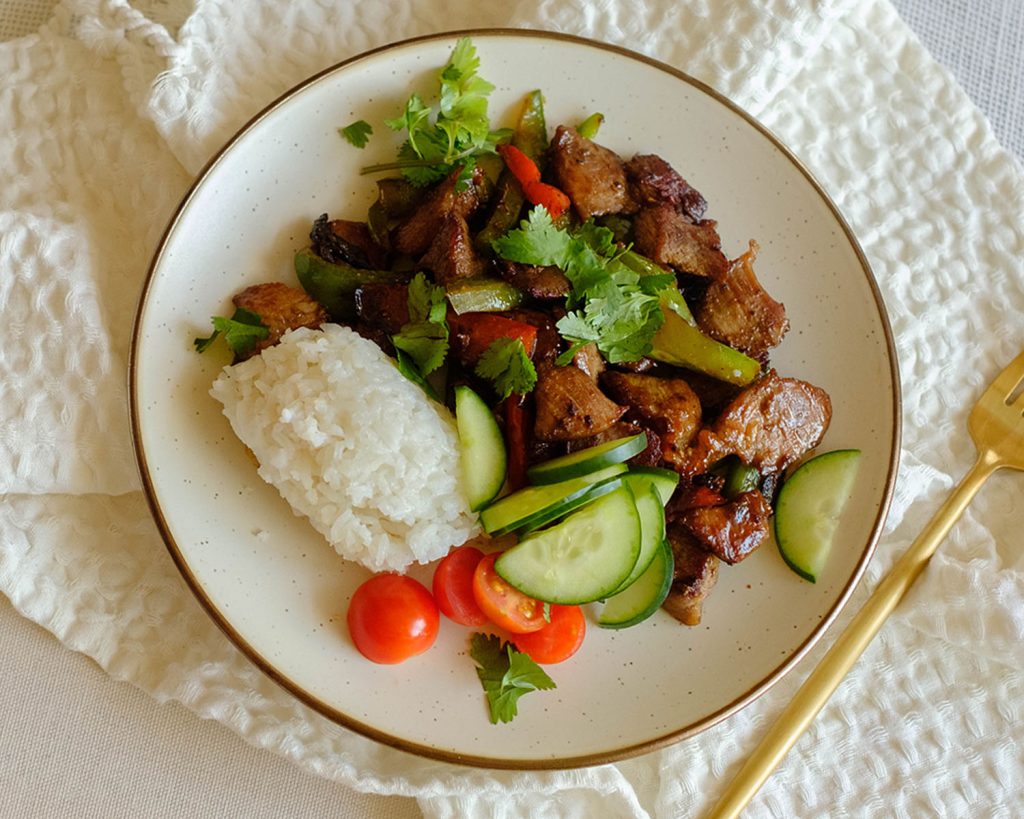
(358, 133)
(615, 307)
(506, 363)
(452, 135)
(241, 332)
(425, 338)
(506, 674)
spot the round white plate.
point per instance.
(279, 591)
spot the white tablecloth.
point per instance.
(74, 742)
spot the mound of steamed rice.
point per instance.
(353, 445)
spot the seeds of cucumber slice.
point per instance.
(524, 508)
(583, 558)
(652, 525)
(641, 599)
(484, 460)
(576, 464)
(808, 509)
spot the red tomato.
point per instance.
(392, 618)
(559, 639)
(453, 586)
(506, 607)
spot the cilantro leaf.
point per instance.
(536, 241)
(505, 674)
(507, 364)
(425, 338)
(241, 332)
(358, 133)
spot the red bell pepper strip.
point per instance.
(525, 170)
(514, 411)
(475, 332)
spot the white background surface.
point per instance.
(75, 743)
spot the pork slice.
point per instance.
(384, 306)
(416, 234)
(733, 530)
(591, 175)
(570, 405)
(768, 425)
(695, 575)
(451, 254)
(280, 308)
(666, 405)
(589, 359)
(653, 181)
(737, 310)
(536, 282)
(347, 241)
(669, 238)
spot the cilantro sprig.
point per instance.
(452, 134)
(424, 339)
(505, 674)
(610, 305)
(358, 133)
(242, 331)
(507, 364)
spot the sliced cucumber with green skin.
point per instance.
(652, 525)
(808, 508)
(576, 464)
(523, 509)
(583, 558)
(484, 460)
(644, 597)
(664, 480)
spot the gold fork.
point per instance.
(996, 425)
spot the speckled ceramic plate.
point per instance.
(280, 592)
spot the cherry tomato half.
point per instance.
(453, 586)
(392, 618)
(559, 639)
(506, 607)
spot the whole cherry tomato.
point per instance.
(506, 607)
(559, 639)
(453, 586)
(392, 618)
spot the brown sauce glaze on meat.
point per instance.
(769, 425)
(695, 575)
(591, 175)
(570, 405)
(280, 308)
(536, 282)
(417, 233)
(383, 306)
(653, 181)
(451, 255)
(733, 530)
(669, 238)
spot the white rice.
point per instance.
(353, 445)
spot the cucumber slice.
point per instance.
(664, 480)
(652, 524)
(644, 597)
(484, 459)
(576, 464)
(808, 508)
(534, 506)
(584, 558)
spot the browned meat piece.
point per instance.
(668, 237)
(651, 456)
(569, 405)
(667, 405)
(733, 530)
(737, 311)
(451, 255)
(536, 282)
(357, 235)
(549, 342)
(415, 235)
(591, 175)
(588, 358)
(696, 573)
(769, 425)
(280, 308)
(654, 182)
(641, 365)
(383, 306)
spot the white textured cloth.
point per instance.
(112, 108)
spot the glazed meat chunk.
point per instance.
(654, 182)
(668, 237)
(667, 405)
(451, 254)
(536, 282)
(769, 425)
(733, 530)
(417, 233)
(695, 575)
(570, 405)
(737, 310)
(280, 308)
(591, 175)
(348, 242)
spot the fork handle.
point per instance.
(823, 680)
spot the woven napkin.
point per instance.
(112, 108)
